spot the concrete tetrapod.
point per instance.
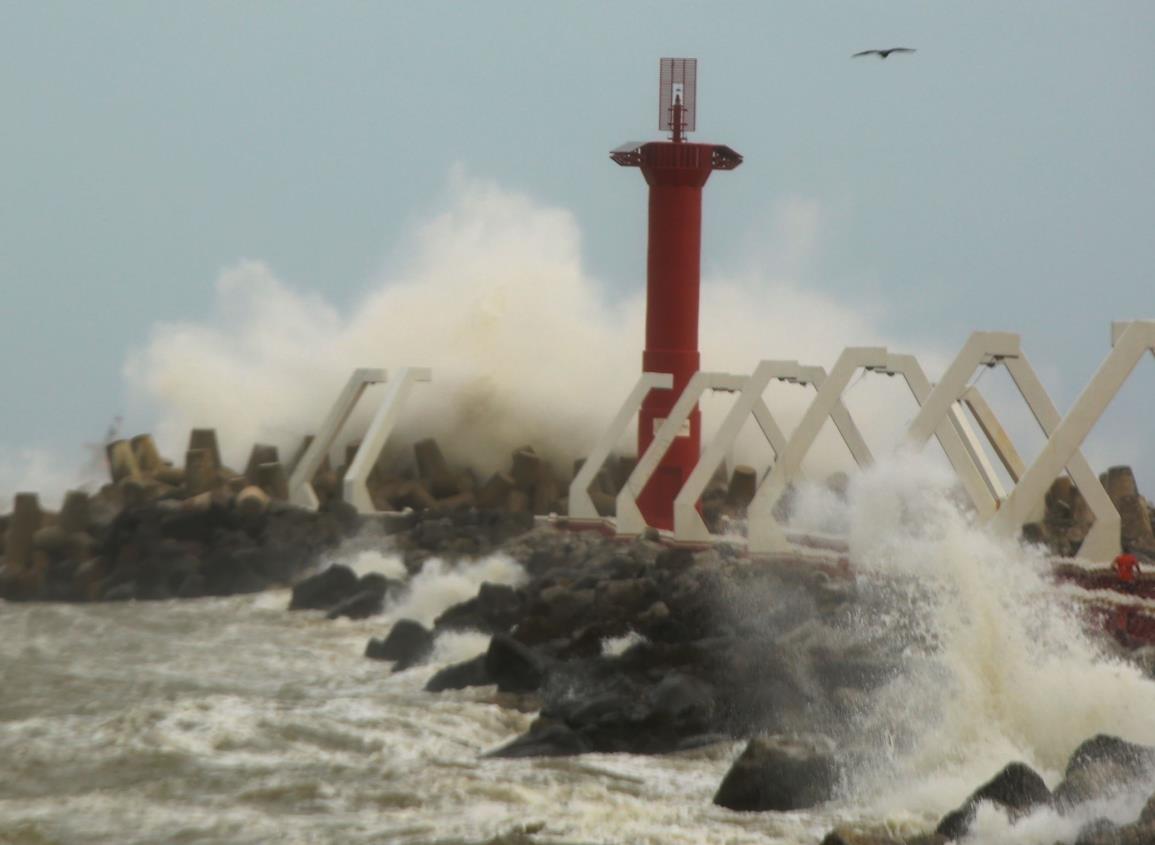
(1130, 340)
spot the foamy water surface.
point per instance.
(232, 720)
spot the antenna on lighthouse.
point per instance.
(678, 96)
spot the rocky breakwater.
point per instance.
(159, 531)
(162, 529)
(641, 648)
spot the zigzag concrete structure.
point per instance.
(940, 415)
(1129, 341)
(688, 523)
(629, 516)
(990, 349)
(764, 532)
(581, 505)
(300, 482)
(953, 433)
(355, 487)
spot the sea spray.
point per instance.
(997, 663)
(525, 346)
(440, 585)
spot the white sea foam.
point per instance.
(999, 665)
(382, 563)
(615, 646)
(440, 585)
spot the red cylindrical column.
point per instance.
(675, 173)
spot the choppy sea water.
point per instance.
(235, 721)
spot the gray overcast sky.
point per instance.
(999, 178)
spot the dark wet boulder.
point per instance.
(1018, 789)
(545, 738)
(614, 710)
(495, 609)
(513, 666)
(780, 773)
(408, 643)
(1101, 766)
(324, 590)
(469, 673)
(368, 600)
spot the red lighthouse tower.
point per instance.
(676, 171)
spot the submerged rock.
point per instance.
(1017, 788)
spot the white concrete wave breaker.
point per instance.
(355, 490)
(940, 415)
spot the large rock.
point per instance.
(408, 643)
(324, 590)
(780, 773)
(495, 609)
(1102, 766)
(469, 673)
(514, 667)
(368, 600)
(546, 738)
(1017, 789)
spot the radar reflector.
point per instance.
(678, 84)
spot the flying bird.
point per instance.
(882, 54)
